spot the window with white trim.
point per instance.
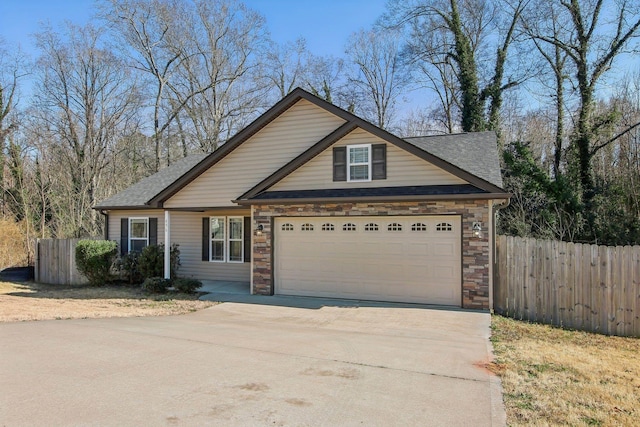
(138, 234)
(236, 240)
(227, 239)
(359, 162)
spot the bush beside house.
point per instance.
(96, 260)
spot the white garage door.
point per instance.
(383, 258)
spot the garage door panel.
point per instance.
(406, 259)
(444, 249)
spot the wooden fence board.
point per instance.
(55, 262)
(587, 287)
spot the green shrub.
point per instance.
(187, 286)
(151, 261)
(156, 285)
(94, 259)
(129, 268)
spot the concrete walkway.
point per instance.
(237, 364)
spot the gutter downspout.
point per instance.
(167, 244)
(494, 262)
(106, 223)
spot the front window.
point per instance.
(217, 238)
(359, 162)
(236, 241)
(227, 239)
(138, 234)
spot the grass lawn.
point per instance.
(33, 301)
(552, 376)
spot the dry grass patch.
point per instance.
(32, 301)
(552, 376)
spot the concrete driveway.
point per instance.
(305, 362)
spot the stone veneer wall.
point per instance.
(475, 251)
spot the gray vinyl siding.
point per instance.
(279, 142)
(115, 216)
(186, 231)
(403, 169)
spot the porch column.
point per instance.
(167, 245)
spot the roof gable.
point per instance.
(457, 160)
(402, 169)
(271, 114)
(471, 157)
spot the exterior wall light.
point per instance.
(477, 230)
(259, 229)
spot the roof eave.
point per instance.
(122, 208)
(374, 199)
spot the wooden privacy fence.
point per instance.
(55, 262)
(587, 287)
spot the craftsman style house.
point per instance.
(311, 200)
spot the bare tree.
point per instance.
(378, 73)
(598, 31)
(447, 36)
(202, 57)
(287, 65)
(326, 79)
(554, 60)
(84, 101)
(422, 122)
(12, 68)
(219, 86)
(143, 27)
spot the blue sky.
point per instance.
(325, 24)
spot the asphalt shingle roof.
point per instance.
(144, 190)
(475, 152)
(420, 190)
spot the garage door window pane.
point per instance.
(394, 227)
(287, 227)
(307, 227)
(328, 227)
(371, 227)
(349, 227)
(419, 227)
(444, 226)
